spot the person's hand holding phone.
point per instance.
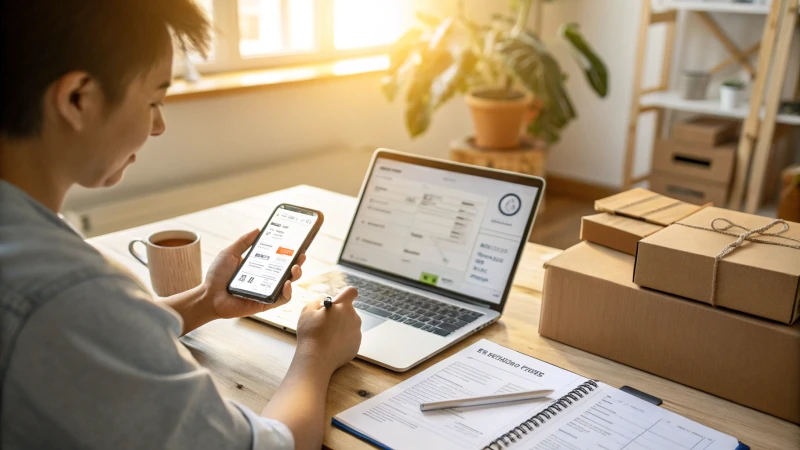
(333, 335)
(225, 265)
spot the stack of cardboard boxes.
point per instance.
(631, 216)
(710, 299)
(696, 164)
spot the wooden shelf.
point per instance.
(673, 100)
(758, 128)
(715, 6)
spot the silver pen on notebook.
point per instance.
(486, 400)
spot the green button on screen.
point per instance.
(429, 278)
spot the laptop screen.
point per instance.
(456, 231)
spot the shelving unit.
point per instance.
(672, 100)
(760, 116)
(719, 6)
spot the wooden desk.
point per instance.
(249, 359)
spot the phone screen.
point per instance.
(276, 248)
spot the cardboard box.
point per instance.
(688, 190)
(757, 278)
(707, 131)
(617, 232)
(784, 151)
(789, 206)
(712, 164)
(646, 205)
(590, 302)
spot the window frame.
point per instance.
(226, 43)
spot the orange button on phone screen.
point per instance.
(285, 251)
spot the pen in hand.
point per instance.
(327, 302)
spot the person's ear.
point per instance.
(76, 97)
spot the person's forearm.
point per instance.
(299, 402)
(192, 307)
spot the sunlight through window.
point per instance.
(252, 34)
(368, 23)
(268, 27)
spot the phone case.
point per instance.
(288, 273)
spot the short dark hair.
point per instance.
(113, 40)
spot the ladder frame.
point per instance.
(755, 143)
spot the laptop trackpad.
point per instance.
(369, 321)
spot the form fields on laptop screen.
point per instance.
(456, 231)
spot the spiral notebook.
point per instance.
(581, 414)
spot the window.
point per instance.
(264, 33)
(360, 23)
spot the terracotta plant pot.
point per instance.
(498, 116)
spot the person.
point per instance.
(87, 358)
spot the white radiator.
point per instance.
(340, 171)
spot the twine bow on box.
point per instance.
(741, 237)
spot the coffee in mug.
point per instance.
(173, 242)
(173, 259)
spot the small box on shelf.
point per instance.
(706, 130)
(689, 190)
(711, 164)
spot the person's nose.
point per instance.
(159, 126)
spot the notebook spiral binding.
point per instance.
(539, 419)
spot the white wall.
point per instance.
(213, 137)
(592, 147)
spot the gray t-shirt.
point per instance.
(89, 361)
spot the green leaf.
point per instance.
(418, 116)
(591, 64)
(404, 47)
(442, 57)
(441, 71)
(428, 19)
(401, 61)
(543, 128)
(452, 80)
(532, 66)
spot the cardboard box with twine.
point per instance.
(590, 302)
(729, 259)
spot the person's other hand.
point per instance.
(331, 334)
(223, 304)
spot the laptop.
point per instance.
(432, 249)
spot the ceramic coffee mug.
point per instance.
(173, 258)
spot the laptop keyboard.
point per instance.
(429, 315)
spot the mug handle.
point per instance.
(135, 254)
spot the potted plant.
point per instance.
(505, 69)
(731, 94)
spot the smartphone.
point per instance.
(286, 235)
